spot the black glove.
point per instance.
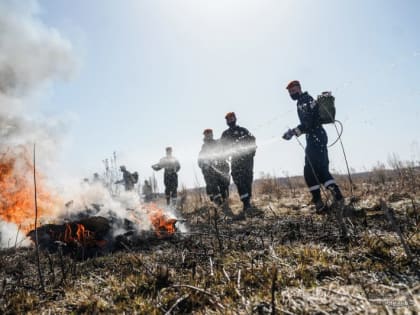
(288, 134)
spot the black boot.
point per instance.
(335, 191)
(247, 204)
(250, 210)
(227, 211)
(320, 207)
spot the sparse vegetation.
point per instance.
(288, 260)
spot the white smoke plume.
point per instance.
(96, 199)
(32, 56)
(31, 52)
(126, 205)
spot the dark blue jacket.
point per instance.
(238, 143)
(310, 124)
(211, 159)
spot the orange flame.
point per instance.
(78, 235)
(163, 225)
(17, 190)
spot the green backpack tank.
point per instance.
(326, 104)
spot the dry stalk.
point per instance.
(391, 218)
(182, 298)
(211, 267)
(137, 259)
(62, 266)
(17, 235)
(50, 262)
(329, 290)
(216, 229)
(273, 291)
(226, 274)
(98, 277)
(286, 312)
(41, 279)
(211, 295)
(3, 289)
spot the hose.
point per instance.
(344, 154)
(339, 133)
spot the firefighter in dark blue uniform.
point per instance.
(215, 169)
(239, 144)
(316, 170)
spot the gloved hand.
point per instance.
(288, 134)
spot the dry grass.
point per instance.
(288, 260)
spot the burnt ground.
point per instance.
(284, 260)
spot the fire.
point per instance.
(163, 225)
(17, 190)
(77, 234)
(86, 233)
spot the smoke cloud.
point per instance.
(32, 56)
(125, 205)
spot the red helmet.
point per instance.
(230, 114)
(207, 131)
(292, 84)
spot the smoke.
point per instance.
(32, 57)
(121, 207)
(95, 199)
(31, 54)
(10, 235)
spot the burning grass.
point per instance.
(17, 192)
(288, 260)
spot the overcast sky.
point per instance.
(156, 73)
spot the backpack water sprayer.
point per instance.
(326, 104)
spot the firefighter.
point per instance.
(239, 144)
(316, 170)
(96, 178)
(215, 169)
(147, 191)
(129, 179)
(171, 167)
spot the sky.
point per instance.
(153, 73)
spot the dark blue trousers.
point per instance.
(316, 170)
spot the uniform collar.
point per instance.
(302, 96)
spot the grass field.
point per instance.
(286, 260)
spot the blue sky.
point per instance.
(156, 73)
